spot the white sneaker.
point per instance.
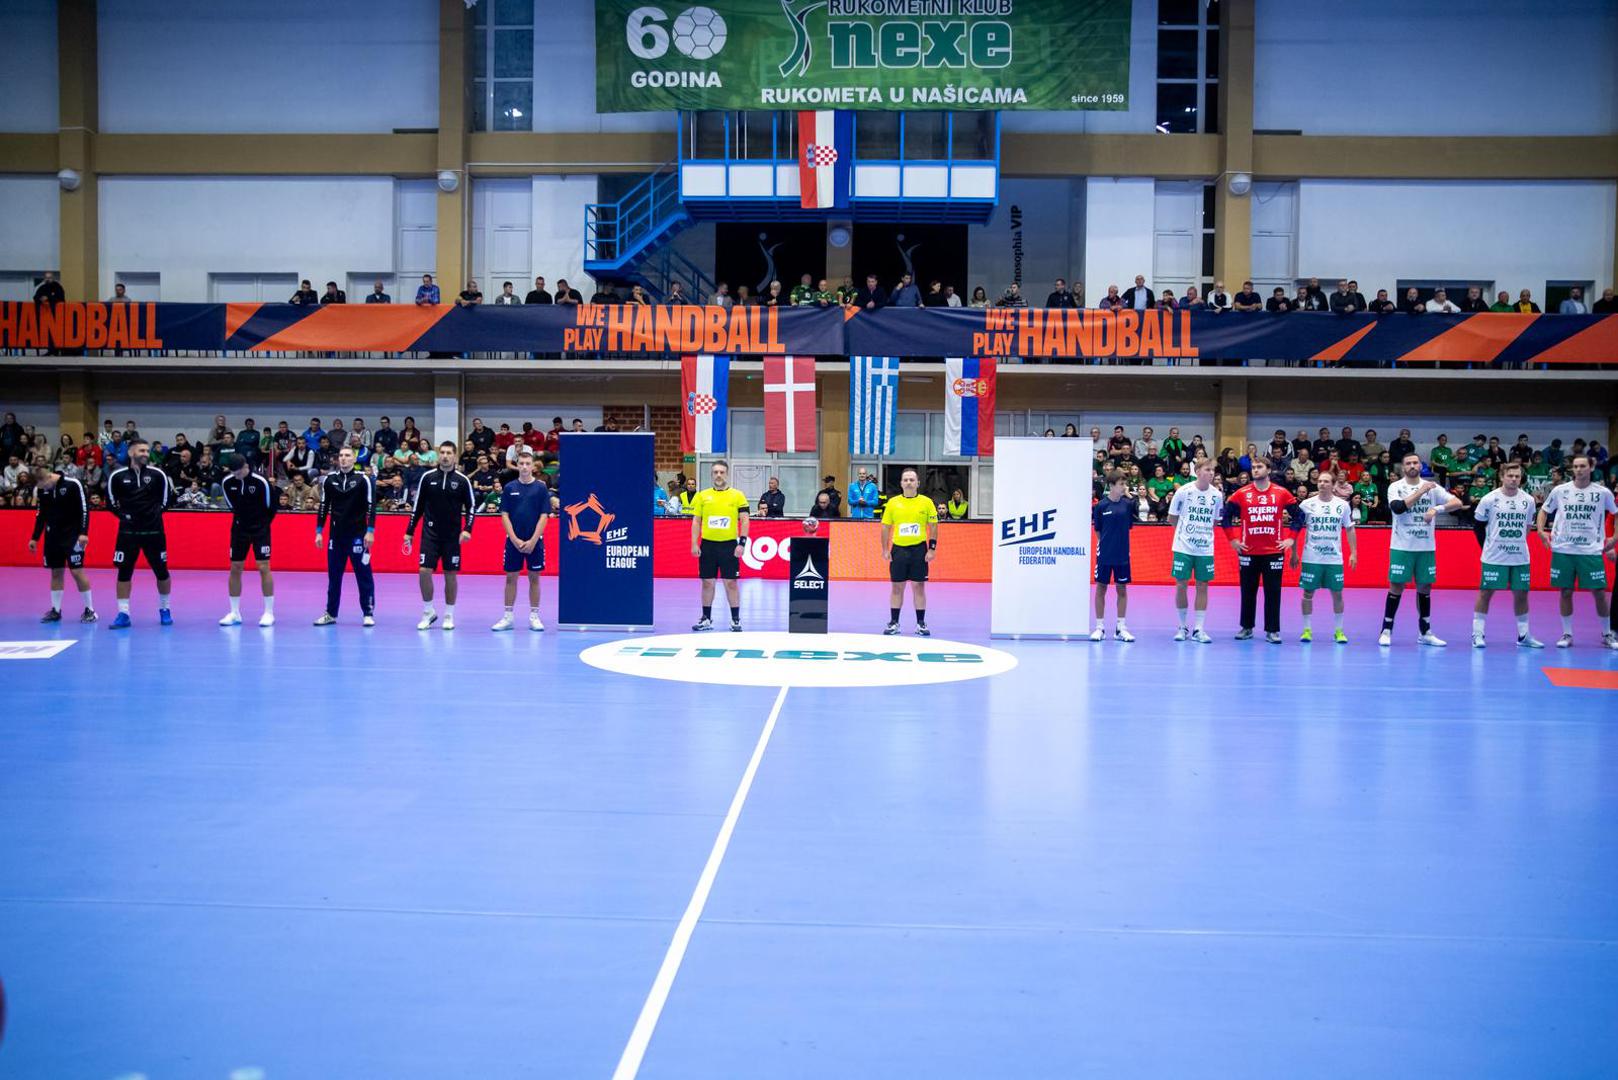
(1477, 641)
(326, 619)
(1123, 635)
(427, 620)
(1201, 637)
(1385, 638)
(369, 620)
(449, 622)
(1565, 641)
(1180, 634)
(1529, 641)
(534, 622)
(232, 619)
(1098, 634)
(1613, 644)
(504, 623)
(1432, 639)
(266, 619)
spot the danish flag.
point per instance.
(789, 405)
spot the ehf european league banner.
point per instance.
(1041, 538)
(604, 565)
(862, 54)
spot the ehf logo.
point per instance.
(1028, 528)
(970, 387)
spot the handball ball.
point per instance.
(811, 526)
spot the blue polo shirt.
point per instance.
(1112, 522)
(524, 503)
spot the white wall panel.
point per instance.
(185, 228)
(1518, 234)
(558, 229)
(28, 50)
(1037, 227)
(1488, 67)
(268, 65)
(1118, 223)
(30, 218)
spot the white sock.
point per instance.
(1180, 611)
(1308, 621)
(1101, 624)
(1337, 619)
(449, 611)
(509, 610)
(269, 605)
(235, 605)
(123, 607)
(1477, 624)
(162, 601)
(1567, 624)
(56, 599)
(1201, 615)
(1121, 625)
(427, 608)
(89, 605)
(1522, 626)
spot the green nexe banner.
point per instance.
(862, 54)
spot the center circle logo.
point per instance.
(777, 658)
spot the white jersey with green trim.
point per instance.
(1196, 513)
(1581, 517)
(1411, 529)
(1509, 518)
(1325, 523)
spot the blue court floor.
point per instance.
(341, 853)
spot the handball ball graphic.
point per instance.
(811, 526)
(699, 33)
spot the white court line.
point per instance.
(635, 1052)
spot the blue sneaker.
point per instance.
(120, 622)
(164, 618)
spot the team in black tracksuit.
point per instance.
(64, 516)
(444, 497)
(139, 494)
(348, 498)
(253, 502)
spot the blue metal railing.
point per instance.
(615, 233)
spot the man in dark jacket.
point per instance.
(138, 494)
(348, 499)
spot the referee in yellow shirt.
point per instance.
(909, 542)
(719, 520)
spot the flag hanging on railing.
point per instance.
(789, 405)
(969, 387)
(705, 404)
(825, 159)
(873, 404)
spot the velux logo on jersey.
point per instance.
(588, 520)
(1028, 528)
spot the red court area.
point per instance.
(199, 540)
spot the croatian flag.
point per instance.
(825, 159)
(968, 406)
(704, 405)
(873, 404)
(789, 404)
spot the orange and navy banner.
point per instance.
(584, 330)
(588, 330)
(1192, 335)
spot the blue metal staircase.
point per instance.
(628, 240)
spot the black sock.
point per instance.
(707, 612)
(1389, 610)
(893, 614)
(1424, 611)
(921, 616)
(735, 614)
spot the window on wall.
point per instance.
(1183, 236)
(751, 466)
(1187, 66)
(503, 65)
(918, 441)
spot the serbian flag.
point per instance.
(789, 404)
(968, 406)
(825, 159)
(705, 401)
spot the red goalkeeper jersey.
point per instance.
(1256, 518)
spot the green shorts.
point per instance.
(1420, 567)
(1316, 575)
(1185, 567)
(1499, 576)
(1577, 571)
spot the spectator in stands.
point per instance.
(1347, 445)
(1012, 297)
(1120, 447)
(1502, 302)
(333, 294)
(120, 295)
(1607, 305)
(471, 296)
(1071, 431)
(745, 297)
(1574, 304)
(980, 298)
(1138, 296)
(721, 296)
(338, 433)
(1247, 299)
(1192, 300)
(305, 296)
(567, 294)
(1309, 301)
(385, 437)
(247, 443)
(1359, 297)
(367, 436)
(1145, 446)
(1520, 451)
(1442, 459)
(774, 501)
(872, 296)
(823, 507)
(676, 296)
(427, 292)
(485, 485)
(300, 494)
(832, 495)
(507, 297)
(774, 296)
(1278, 303)
(50, 291)
(1166, 301)
(1382, 305)
(953, 299)
(1298, 469)
(1411, 304)
(1402, 446)
(1218, 299)
(1441, 304)
(1112, 301)
(210, 475)
(481, 437)
(640, 297)
(957, 507)
(324, 459)
(803, 293)
(313, 433)
(1343, 302)
(1316, 295)
(1060, 296)
(936, 296)
(1372, 446)
(1525, 303)
(537, 295)
(863, 496)
(378, 295)
(1474, 301)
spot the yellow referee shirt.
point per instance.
(719, 512)
(910, 517)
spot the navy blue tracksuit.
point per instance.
(349, 499)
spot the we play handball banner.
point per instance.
(862, 54)
(606, 542)
(934, 333)
(1041, 538)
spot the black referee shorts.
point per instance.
(718, 560)
(909, 563)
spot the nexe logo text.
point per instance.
(1028, 528)
(878, 656)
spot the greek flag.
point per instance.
(873, 404)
